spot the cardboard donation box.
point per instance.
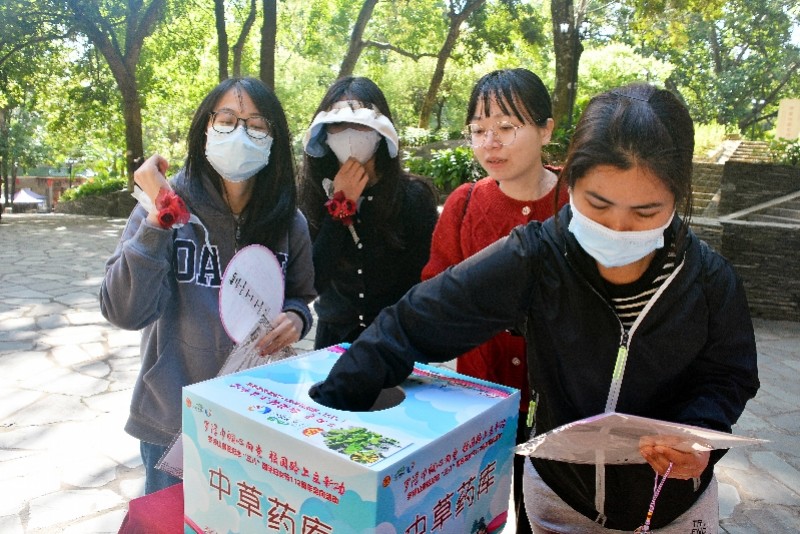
(261, 456)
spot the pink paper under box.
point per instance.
(261, 456)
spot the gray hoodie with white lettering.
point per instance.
(165, 282)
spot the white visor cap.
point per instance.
(348, 111)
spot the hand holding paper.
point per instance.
(688, 460)
(615, 438)
(250, 300)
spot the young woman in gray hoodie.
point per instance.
(238, 180)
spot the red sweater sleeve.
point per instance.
(446, 241)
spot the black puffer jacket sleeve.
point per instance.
(434, 322)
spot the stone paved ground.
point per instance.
(66, 465)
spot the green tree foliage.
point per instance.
(785, 152)
(118, 30)
(733, 62)
(75, 67)
(178, 67)
(95, 186)
(606, 66)
(87, 102)
(31, 54)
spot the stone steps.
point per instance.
(706, 178)
(752, 151)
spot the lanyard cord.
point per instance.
(622, 351)
(656, 491)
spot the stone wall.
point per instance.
(748, 184)
(117, 204)
(767, 258)
(766, 255)
(709, 230)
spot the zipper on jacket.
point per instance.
(616, 378)
(619, 371)
(530, 421)
(237, 233)
(624, 343)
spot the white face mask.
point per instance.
(236, 156)
(358, 144)
(612, 248)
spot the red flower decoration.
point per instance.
(341, 208)
(171, 208)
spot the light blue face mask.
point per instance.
(236, 156)
(612, 248)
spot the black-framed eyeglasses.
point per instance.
(503, 132)
(257, 127)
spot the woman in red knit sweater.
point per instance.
(509, 120)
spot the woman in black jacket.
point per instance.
(623, 307)
(370, 222)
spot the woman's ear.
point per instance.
(547, 131)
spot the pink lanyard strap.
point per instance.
(656, 491)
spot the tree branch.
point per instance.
(397, 50)
(143, 29)
(34, 40)
(238, 47)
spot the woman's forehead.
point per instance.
(495, 105)
(637, 185)
(238, 100)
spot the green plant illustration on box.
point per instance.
(361, 445)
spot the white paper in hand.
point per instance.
(250, 298)
(252, 289)
(615, 438)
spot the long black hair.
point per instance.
(392, 181)
(271, 208)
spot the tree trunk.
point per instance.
(140, 22)
(13, 180)
(4, 153)
(6, 184)
(124, 71)
(132, 112)
(222, 38)
(269, 29)
(356, 39)
(238, 48)
(716, 54)
(456, 20)
(568, 48)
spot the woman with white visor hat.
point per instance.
(370, 222)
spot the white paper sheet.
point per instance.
(617, 437)
(250, 297)
(252, 288)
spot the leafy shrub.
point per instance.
(555, 152)
(785, 151)
(447, 168)
(98, 185)
(415, 137)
